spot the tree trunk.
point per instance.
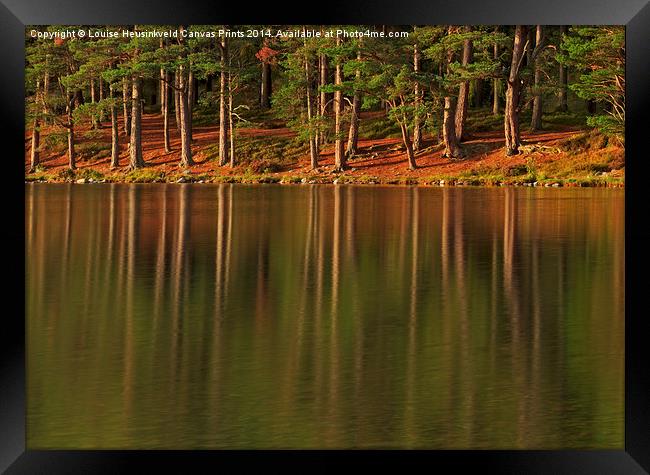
(135, 147)
(186, 134)
(463, 92)
(115, 144)
(126, 101)
(165, 111)
(265, 89)
(231, 124)
(71, 158)
(191, 96)
(339, 155)
(513, 91)
(223, 124)
(102, 115)
(536, 119)
(353, 135)
(93, 118)
(417, 133)
(452, 148)
(496, 86)
(36, 140)
(313, 150)
(177, 101)
(410, 153)
(563, 78)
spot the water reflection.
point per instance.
(319, 316)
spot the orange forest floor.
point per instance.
(377, 160)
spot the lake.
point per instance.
(320, 316)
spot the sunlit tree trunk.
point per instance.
(165, 111)
(496, 86)
(223, 124)
(135, 148)
(186, 149)
(417, 132)
(353, 135)
(513, 91)
(463, 92)
(563, 77)
(126, 102)
(115, 145)
(190, 100)
(313, 145)
(177, 100)
(36, 134)
(536, 119)
(339, 155)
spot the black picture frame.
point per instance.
(635, 14)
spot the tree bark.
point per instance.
(191, 96)
(353, 135)
(265, 89)
(93, 119)
(223, 124)
(36, 140)
(36, 133)
(231, 122)
(126, 101)
(177, 102)
(496, 83)
(463, 92)
(513, 91)
(135, 146)
(313, 146)
(536, 119)
(183, 99)
(417, 133)
(102, 115)
(115, 144)
(165, 111)
(563, 78)
(452, 148)
(339, 155)
(410, 153)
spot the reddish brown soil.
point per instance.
(379, 157)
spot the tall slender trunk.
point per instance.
(265, 88)
(46, 92)
(463, 92)
(496, 86)
(190, 100)
(324, 72)
(36, 133)
(135, 146)
(102, 114)
(417, 132)
(115, 144)
(353, 135)
(513, 91)
(177, 100)
(126, 101)
(339, 155)
(36, 140)
(563, 77)
(313, 146)
(93, 117)
(410, 153)
(165, 111)
(223, 124)
(231, 125)
(536, 119)
(183, 99)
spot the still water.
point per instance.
(269, 316)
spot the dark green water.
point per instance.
(268, 316)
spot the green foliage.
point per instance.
(599, 53)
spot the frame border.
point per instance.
(635, 14)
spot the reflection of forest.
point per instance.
(234, 316)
